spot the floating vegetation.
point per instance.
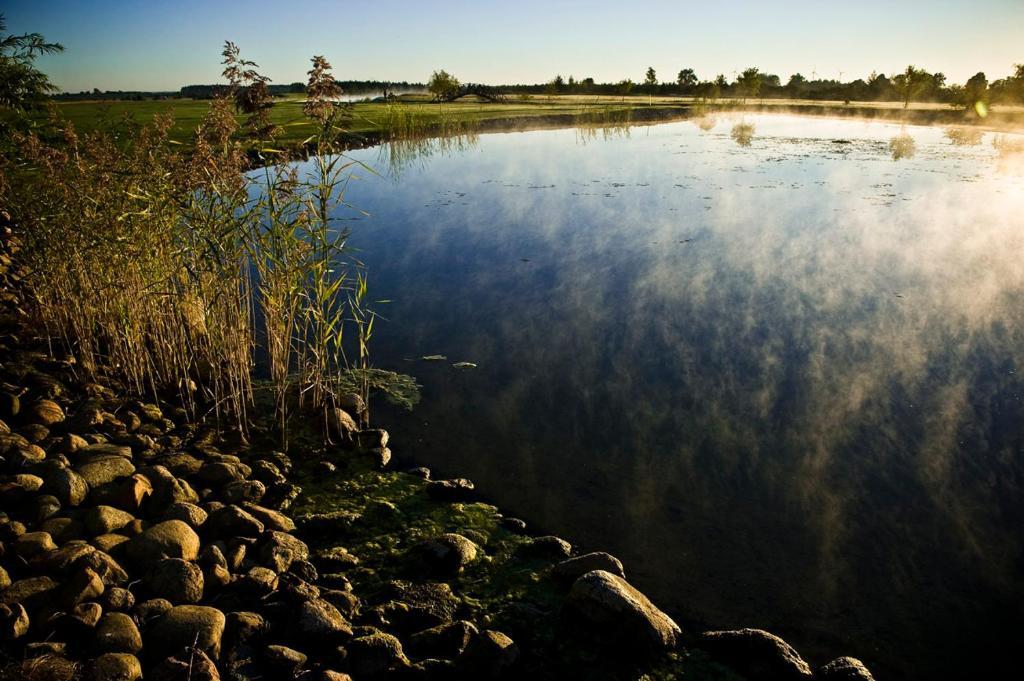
(742, 133)
(433, 358)
(902, 146)
(706, 123)
(464, 365)
(607, 123)
(964, 136)
(398, 389)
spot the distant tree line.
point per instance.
(912, 84)
(351, 87)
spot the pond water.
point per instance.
(774, 364)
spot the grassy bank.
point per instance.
(373, 121)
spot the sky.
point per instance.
(159, 45)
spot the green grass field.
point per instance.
(373, 119)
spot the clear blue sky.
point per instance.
(161, 45)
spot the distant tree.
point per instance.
(750, 82)
(708, 90)
(974, 94)
(571, 83)
(587, 82)
(443, 86)
(558, 83)
(686, 79)
(1017, 82)
(879, 86)
(625, 87)
(797, 86)
(22, 85)
(651, 78)
(721, 82)
(911, 83)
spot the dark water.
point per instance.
(774, 370)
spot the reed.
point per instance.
(169, 271)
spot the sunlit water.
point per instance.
(773, 369)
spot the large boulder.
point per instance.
(617, 611)
(375, 655)
(115, 667)
(756, 655)
(99, 470)
(844, 669)
(183, 626)
(489, 655)
(67, 485)
(177, 580)
(106, 519)
(572, 569)
(446, 554)
(169, 539)
(117, 633)
(231, 521)
(319, 623)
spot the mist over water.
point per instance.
(772, 363)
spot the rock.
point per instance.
(116, 667)
(572, 569)
(186, 625)
(5, 579)
(32, 592)
(177, 580)
(232, 521)
(32, 544)
(610, 605)
(108, 542)
(545, 548)
(446, 554)
(267, 473)
(42, 508)
(457, 489)
(34, 432)
(130, 493)
(283, 660)
(116, 599)
(86, 615)
(46, 412)
(71, 443)
(61, 560)
(192, 514)
(85, 585)
(374, 438)
(148, 612)
(374, 655)
(109, 570)
(14, 621)
(169, 539)
(191, 665)
(47, 668)
(490, 654)
(64, 529)
(219, 473)
(421, 472)
(335, 559)
(67, 485)
(341, 425)
(281, 496)
(180, 463)
(117, 633)
(272, 520)
(844, 669)
(167, 489)
(280, 549)
(259, 582)
(381, 456)
(756, 655)
(319, 623)
(100, 470)
(446, 640)
(106, 519)
(243, 490)
(104, 449)
(244, 628)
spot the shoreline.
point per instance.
(134, 540)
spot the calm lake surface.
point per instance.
(775, 370)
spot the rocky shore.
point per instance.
(134, 544)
